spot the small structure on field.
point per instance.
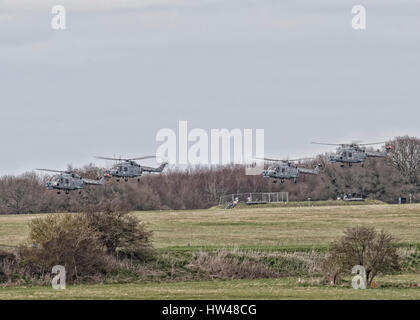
(231, 200)
(352, 197)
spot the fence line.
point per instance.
(255, 197)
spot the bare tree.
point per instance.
(405, 157)
(201, 187)
(364, 246)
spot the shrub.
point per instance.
(410, 258)
(120, 233)
(365, 246)
(68, 240)
(8, 266)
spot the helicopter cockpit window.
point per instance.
(125, 169)
(67, 181)
(350, 154)
(55, 179)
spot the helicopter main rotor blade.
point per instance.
(142, 158)
(372, 143)
(122, 159)
(329, 144)
(106, 158)
(56, 171)
(301, 159)
(268, 159)
(349, 144)
(281, 160)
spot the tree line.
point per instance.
(198, 187)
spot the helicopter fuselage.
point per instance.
(355, 152)
(281, 172)
(348, 156)
(130, 169)
(66, 182)
(287, 170)
(125, 170)
(354, 155)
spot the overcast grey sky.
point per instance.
(125, 69)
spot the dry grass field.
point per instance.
(255, 227)
(296, 228)
(265, 227)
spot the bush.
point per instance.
(89, 245)
(68, 240)
(364, 246)
(120, 233)
(8, 266)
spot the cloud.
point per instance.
(25, 6)
(124, 69)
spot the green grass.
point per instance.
(283, 288)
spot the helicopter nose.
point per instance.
(267, 173)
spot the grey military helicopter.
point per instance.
(287, 169)
(354, 152)
(129, 168)
(68, 181)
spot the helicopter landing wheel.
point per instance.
(126, 180)
(138, 180)
(281, 181)
(118, 180)
(342, 165)
(274, 181)
(58, 192)
(363, 165)
(295, 180)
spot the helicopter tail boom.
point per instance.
(310, 171)
(158, 169)
(94, 182)
(374, 154)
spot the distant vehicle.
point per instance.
(287, 169)
(69, 181)
(128, 168)
(350, 153)
(352, 197)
